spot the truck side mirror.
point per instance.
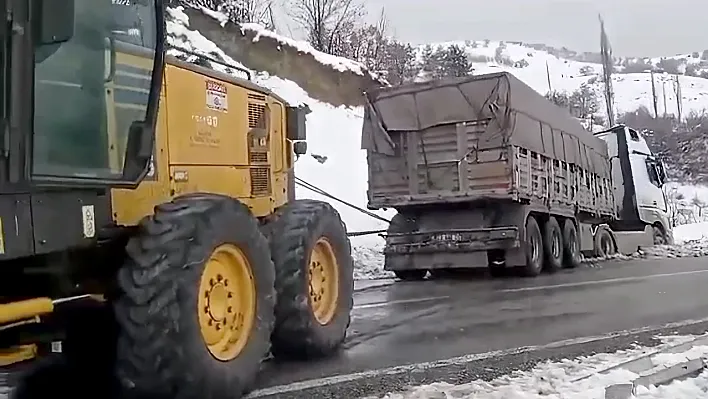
(661, 171)
(55, 21)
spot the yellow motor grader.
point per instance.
(149, 234)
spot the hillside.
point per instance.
(632, 90)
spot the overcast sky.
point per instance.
(635, 27)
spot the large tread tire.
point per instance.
(553, 245)
(293, 235)
(659, 236)
(603, 243)
(571, 245)
(161, 352)
(533, 247)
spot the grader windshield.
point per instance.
(96, 90)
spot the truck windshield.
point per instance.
(80, 124)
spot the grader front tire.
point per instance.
(198, 304)
(314, 279)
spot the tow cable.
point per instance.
(312, 187)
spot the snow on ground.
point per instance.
(691, 232)
(575, 379)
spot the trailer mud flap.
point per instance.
(457, 240)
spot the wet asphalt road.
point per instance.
(415, 322)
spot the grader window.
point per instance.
(80, 124)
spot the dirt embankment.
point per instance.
(322, 82)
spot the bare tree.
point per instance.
(238, 11)
(327, 23)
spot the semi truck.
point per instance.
(486, 172)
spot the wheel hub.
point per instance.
(323, 271)
(218, 296)
(227, 302)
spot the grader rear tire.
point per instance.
(314, 280)
(198, 304)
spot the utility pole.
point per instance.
(663, 90)
(679, 99)
(655, 101)
(548, 76)
(607, 69)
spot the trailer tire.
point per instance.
(533, 248)
(308, 239)
(553, 246)
(571, 245)
(167, 346)
(604, 244)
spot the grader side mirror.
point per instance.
(55, 21)
(300, 147)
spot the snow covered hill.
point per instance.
(632, 90)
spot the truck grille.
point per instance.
(260, 181)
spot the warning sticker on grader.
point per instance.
(216, 96)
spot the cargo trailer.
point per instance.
(486, 172)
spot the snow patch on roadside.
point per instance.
(560, 379)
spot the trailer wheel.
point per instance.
(533, 244)
(553, 245)
(604, 244)
(571, 245)
(197, 311)
(314, 279)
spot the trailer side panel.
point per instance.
(487, 137)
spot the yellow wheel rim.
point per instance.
(324, 281)
(227, 302)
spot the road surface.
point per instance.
(458, 323)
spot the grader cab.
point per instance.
(149, 234)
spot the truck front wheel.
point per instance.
(533, 248)
(604, 244)
(659, 235)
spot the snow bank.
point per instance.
(334, 163)
(560, 380)
(691, 232)
(338, 63)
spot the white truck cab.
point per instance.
(638, 177)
